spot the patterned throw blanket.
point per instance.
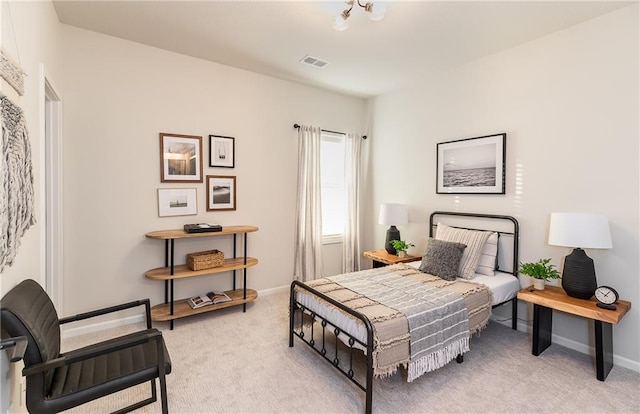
(420, 321)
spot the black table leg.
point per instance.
(244, 280)
(171, 272)
(604, 349)
(171, 303)
(377, 264)
(542, 324)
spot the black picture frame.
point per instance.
(472, 165)
(222, 151)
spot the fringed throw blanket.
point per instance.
(17, 212)
(420, 321)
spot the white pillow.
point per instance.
(487, 263)
(475, 241)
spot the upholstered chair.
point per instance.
(58, 381)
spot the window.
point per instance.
(332, 172)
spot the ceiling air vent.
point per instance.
(310, 60)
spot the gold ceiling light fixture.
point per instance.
(375, 13)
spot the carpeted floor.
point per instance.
(234, 362)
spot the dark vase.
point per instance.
(392, 234)
(579, 275)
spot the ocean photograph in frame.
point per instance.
(177, 202)
(472, 165)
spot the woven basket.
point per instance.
(205, 260)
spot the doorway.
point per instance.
(51, 185)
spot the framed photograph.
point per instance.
(180, 158)
(221, 192)
(472, 165)
(177, 202)
(222, 151)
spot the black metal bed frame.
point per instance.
(348, 370)
(516, 236)
(335, 361)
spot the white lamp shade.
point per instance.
(584, 230)
(393, 214)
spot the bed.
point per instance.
(418, 316)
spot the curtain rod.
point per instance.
(297, 126)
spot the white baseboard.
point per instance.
(585, 349)
(273, 291)
(577, 346)
(68, 332)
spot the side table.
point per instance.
(552, 297)
(382, 258)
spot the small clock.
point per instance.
(607, 296)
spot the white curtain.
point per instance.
(353, 170)
(308, 238)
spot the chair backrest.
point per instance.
(27, 310)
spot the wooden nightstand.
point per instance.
(382, 258)
(552, 297)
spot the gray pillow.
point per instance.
(442, 258)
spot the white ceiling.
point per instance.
(270, 37)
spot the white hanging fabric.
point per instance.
(308, 237)
(17, 204)
(353, 171)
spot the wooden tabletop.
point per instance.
(556, 298)
(386, 258)
(181, 234)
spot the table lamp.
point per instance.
(393, 214)
(579, 230)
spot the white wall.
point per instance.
(30, 35)
(569, 105)
(118, 96)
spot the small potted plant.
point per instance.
(540, 271)
(401, 247)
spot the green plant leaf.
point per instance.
(542, 269)
(401, 245)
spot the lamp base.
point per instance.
(579, 275)
(392, 234)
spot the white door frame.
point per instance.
(51, 263)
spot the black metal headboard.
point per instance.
(514, 231)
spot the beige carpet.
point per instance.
(234, 362)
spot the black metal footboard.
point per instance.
(321, 349)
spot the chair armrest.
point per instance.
(111, 309)
(19, 345)
(102, 348)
